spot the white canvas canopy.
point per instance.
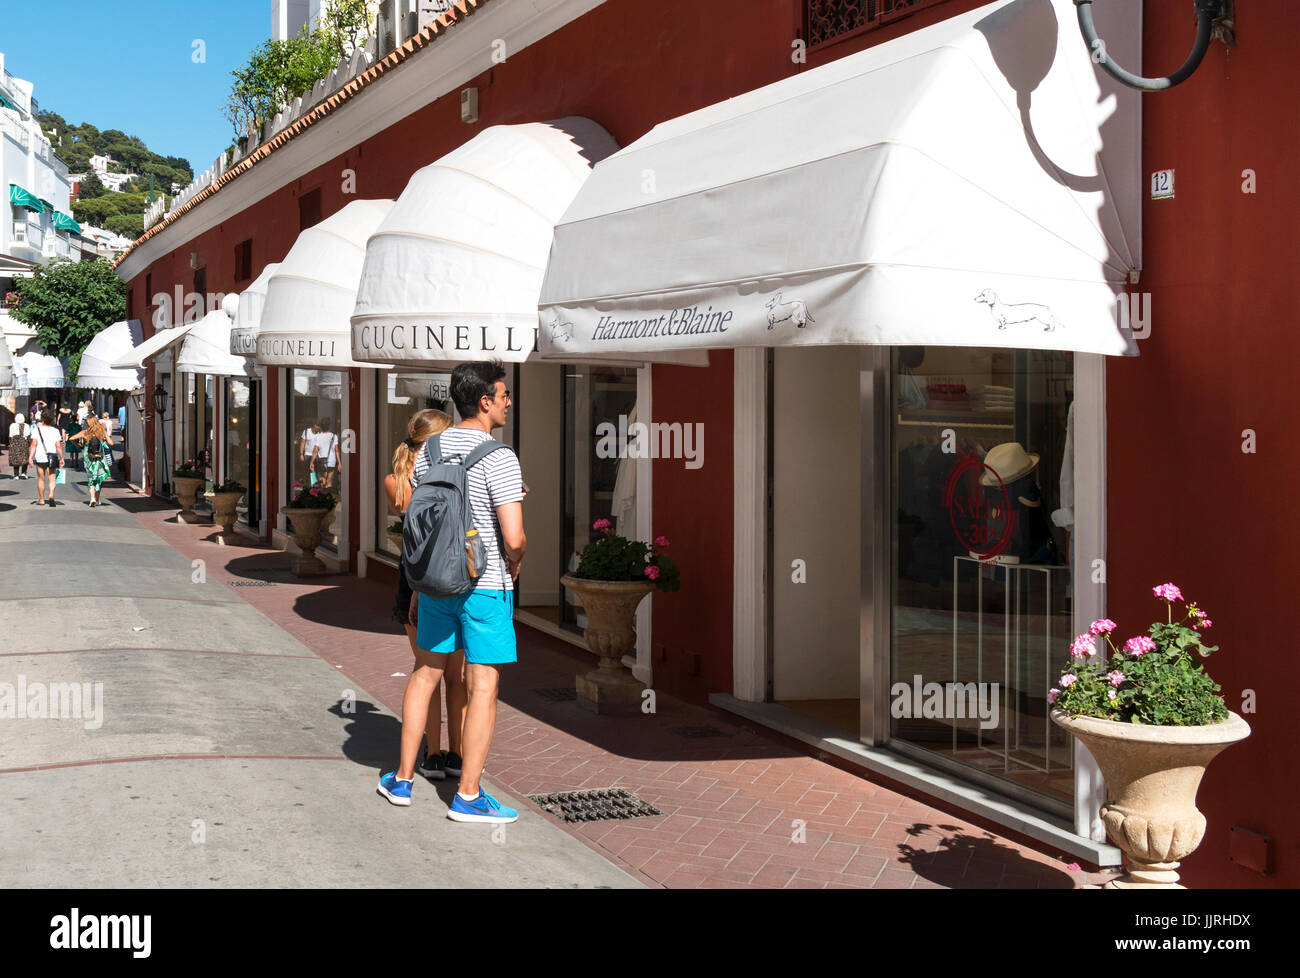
(110, 344)
(6, 364)
(243, 338)
(155, 346)
(454, 272)
(206, 350)
(309, 299)
(35, 368)
(973, 183)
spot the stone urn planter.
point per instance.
(1152, 775)
(224, 513)
(307, 527)
(610, 634)
(187, 491)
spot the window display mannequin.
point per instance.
(1030, 539)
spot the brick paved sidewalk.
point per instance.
(732, 793)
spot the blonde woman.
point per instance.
(422, 704)
(97, 444)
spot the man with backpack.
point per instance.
(463, 544)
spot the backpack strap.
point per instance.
(481, 451)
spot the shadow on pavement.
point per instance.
(960, 859)
(372, 737)
(338, 607)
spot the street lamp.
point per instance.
(1213, 18)
(160, 416)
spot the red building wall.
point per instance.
(1184, 503)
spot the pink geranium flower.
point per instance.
(1204, 623)
(652, 572)
(601, 525)
(1052, 694)
(1102, 626)
(1115, 676)
(1083, 647)
(661, 541)
(1169, 592)
(1068, 680)
(314, 491)
(1111, 694)
(1139, 645)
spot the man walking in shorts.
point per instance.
(482, 621)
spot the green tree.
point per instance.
(91, 187)
(128, 225)
(345, 26)
(69, 302)
(97, 210)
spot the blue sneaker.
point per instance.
(484, 808)
(398, 792)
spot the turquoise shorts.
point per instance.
(481, 622)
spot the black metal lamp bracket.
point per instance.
(1213, 19)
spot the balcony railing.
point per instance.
(832, 20)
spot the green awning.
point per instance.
(49, 208)
(4, 100)
(24, 198)
(65, 222)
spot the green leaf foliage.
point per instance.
(1166, 686)
(69, 302)
(614, 558)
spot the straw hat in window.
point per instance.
(1010, 461)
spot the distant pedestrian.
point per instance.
(98, 455)
(72, 427)
(47, 456)
(325, 454)
(83, 410)
(307, 453)
(20, 445)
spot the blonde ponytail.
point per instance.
(422, 426)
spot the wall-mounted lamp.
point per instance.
(1213, 18)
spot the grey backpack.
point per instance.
(442, 550)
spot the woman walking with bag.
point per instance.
(98, 455)
(47, 456)
(20, 446)
(422, 704)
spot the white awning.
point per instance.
(206, 350)
(973, 183)
(35, 368)
(309, 299)
(110, 344)
(6, 364)
(454, 272)
(243, 338)
(161, 342)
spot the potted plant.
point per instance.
(307, 512)
(1153, 719)
(188, 478)
(612, 577)
(394, 533)
(225, 498)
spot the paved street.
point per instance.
(224, 754)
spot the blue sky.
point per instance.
(129, 64)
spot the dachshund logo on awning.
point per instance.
(1005, 313)
(561, 330)
(779, 311)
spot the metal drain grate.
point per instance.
(697, 732)
(596, 805)
(252, 583)
(560, 694)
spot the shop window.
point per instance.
(400, 396)
(309, 209)
(244, 260)
(243, 444)
(832, 20)
(314, 438)
(982, 586)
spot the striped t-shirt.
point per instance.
(494, 482)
